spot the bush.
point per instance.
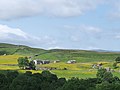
(117, 60)
(103, 75)
(115, 65)
(23, 62)
(4, 52)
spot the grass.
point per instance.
(9, 59)
(82, 69)
(6, 67)
(75, 73)
(80, 56)
(60, 54)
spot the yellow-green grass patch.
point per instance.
(7, 67)
(9, 59)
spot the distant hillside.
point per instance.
(19, 49)
(60, 54)
(79, 55)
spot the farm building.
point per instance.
(71, 61)
(56, 61)
(41, 62)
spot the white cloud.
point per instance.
(17, 36)
(76, 38)
(117, 36)
(93, 48)
(77, 32)
(5, 31)
(90, 29)
(84, 28)
(115, 12)
(56, 47)
(64, 8)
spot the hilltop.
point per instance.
(19, 49)
(59, 54)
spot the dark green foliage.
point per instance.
(80, 84)
(108, 86)
(100, 73)
(11, 75)
(61, 81)
(4, 52)
(104, 75)
(115, 65)
(49, 77)
(23, 62)
(3, 82)
(29, 81)
(117, 59)
(12, 80)
(28, 73)
(32, 65)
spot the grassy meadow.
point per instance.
(82, 69)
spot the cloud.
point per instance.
(90, 29)
(115, 11)
(117, 36)
(76, 38)
(10, 33)
(88, 32)
(93, 48)
(17, 36)
(56, 47)
(10, 9)
(84, 28)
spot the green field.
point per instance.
(82, 69)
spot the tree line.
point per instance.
(46, 80)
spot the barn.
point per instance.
(41, 62)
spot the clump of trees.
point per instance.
(47, 81)
(29, 81)
(4, 52)
(106, 81)
(24, 63)
(117, 60)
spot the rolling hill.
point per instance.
(59, 54)
(19, 49)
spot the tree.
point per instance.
(25, 82)
(49, 77)
(103, 75)
(108, 86)
(23, 62)
(115, 65)
(32, 65)
(117, 59)
(3, 52)
(3, 82)
(11, 75)
(75, 84)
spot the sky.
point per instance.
(61, 24)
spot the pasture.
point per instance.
(80, 70)
(9, 59)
